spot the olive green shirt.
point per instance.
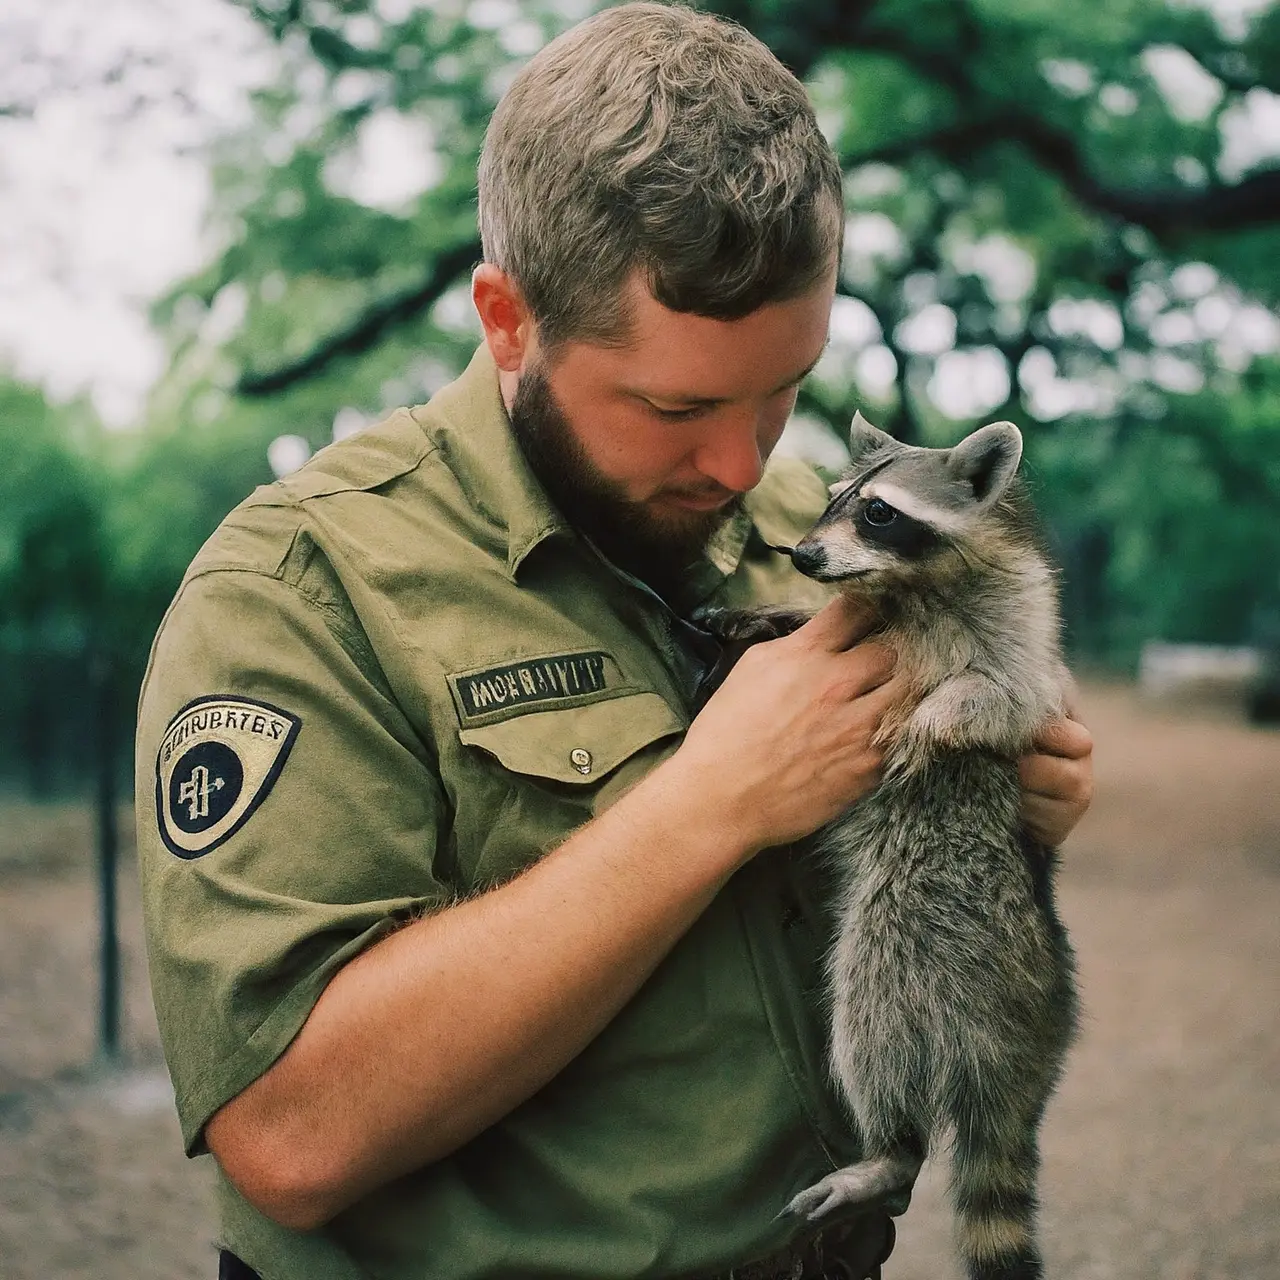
(396, 678)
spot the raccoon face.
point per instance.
(862, 534)
(901, 506)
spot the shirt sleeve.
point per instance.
(288, 816)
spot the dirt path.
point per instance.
(1162, 1149)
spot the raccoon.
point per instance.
(951, 977)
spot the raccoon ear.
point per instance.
(863, 437)
(987, 460)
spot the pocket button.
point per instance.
(580, 758)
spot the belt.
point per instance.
(853, 1251)
(231, 1268)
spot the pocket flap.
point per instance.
(577, 744)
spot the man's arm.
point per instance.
(436, 1031)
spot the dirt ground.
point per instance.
(1162, 1149)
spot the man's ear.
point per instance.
(504, 315)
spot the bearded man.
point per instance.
(474, 953)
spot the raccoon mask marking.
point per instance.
(874, 522)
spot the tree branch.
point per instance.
(367, 328)
(1253, 202)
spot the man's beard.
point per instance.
(657, 548)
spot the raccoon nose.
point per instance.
(809, 558)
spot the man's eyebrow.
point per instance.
(704, 402)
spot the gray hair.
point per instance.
(655, 138)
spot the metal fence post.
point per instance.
(102, 673)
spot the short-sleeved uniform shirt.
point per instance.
(398, 677)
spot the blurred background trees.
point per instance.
(1067, 215)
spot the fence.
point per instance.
(67, 717)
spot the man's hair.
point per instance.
(656, 138)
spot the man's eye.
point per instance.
(677, 415)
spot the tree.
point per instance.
(52, 574)
(1054, 216)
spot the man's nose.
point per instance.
(735, 453)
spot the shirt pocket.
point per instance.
(560, 769)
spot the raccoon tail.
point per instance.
(994, 1190)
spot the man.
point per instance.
(473, 955)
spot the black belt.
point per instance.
(852, 1252)
(231, 1268)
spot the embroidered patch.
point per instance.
(559, 678)
(218, 760)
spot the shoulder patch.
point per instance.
(218, 760)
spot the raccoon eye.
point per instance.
(879, 513)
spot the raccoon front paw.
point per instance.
(908, 748)
(967, 710)
(751, 626)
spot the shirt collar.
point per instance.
(470, 427)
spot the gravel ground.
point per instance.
(1162, 1148)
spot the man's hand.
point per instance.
(786, 743)
(1057, 780)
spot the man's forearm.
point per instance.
(438, 1030)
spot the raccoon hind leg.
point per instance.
(871, 1179)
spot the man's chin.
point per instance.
(657, 539)
(677, 534)
(688, 516)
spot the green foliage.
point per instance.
(52, 553)
(1183, 509)
(1036, 183)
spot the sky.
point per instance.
(103, 180)
(107, 107)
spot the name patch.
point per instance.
(558, 678)
(217, 762)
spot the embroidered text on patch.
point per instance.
(218, 760)
(558, 678)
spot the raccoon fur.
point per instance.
(950, 978)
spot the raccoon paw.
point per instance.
(839, 1190)
(750, 626)
(854, 1186)
(737, 630)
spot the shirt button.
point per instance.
(580, 758)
